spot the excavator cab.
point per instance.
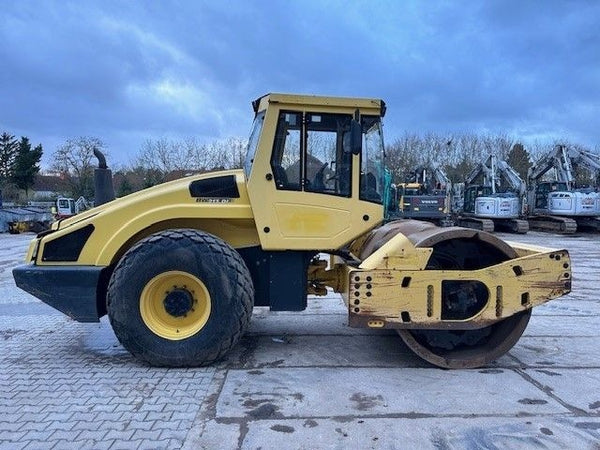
(472, 193)
(545, 188)
(64, 207)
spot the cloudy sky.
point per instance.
(127, 71)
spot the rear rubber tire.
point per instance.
(206, 260)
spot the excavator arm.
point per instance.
(512, 178)
(540, 167)
(584, 158)
(479, 170)
(441, 178)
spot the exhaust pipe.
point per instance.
(103, 184)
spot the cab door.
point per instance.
(310, 196)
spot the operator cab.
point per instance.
(544, 189)
(315, 171)
(472, 193)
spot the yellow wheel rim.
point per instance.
(175, 305)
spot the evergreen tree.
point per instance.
(8, 152)
(518, 159)
(26, 165)
(125, 188)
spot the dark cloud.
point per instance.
(127, 71)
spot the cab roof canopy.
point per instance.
(365, 105)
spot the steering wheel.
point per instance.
(319, 180)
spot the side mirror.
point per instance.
(353, 138)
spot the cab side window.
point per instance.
(309, 154)
(327, 164)
(286, 157)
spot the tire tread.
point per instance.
(164, 242)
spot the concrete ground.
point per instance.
(301, 380)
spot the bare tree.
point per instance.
(198, 157)
(402, 156)
(164, 155)
(538, 149)
(171, 155)
(73, 160)
(227, 154)
(161, 158)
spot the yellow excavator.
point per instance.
(179, 267)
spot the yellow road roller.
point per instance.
(179, 267)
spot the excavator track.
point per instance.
(518, 226)
(589, 223)
(476, 223)
(556, 224)
(454, 249)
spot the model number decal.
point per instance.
(213, 200)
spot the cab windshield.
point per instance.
(372, 167)
(253, 142)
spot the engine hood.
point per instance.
(216, 202)
(175, 190)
